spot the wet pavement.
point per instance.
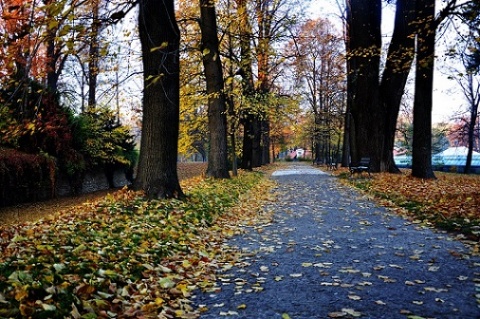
(332, 253)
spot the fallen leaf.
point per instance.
(352, 312)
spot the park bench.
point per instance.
(332, 166)
(360, 167)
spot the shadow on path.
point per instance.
(330, 253)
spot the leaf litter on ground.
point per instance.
(125, 257)
(450, 202)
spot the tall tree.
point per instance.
(217, 117)
(422, 107)
(320, 70)
(469, 78)
(273, 18)
(364, 115)
(265, 14)
(397, 68)
(246, 72)
(94, 48)
(160, 40)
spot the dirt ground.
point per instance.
(34, 211)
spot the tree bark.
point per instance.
(261, 145)
(93, 58)
(160, 40)
(217, 118)
(399, 62)
(257, 141)
(246, 73)
(422, 108)
(363, 64)
(474, 98)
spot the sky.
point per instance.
(447, 97)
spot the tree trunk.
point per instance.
(399, 61)
(257, 141)
(261, 142)
(247, 153)
(217, 118)
(233, 125)
(346, 135)
(247, 82)
(93, 59)
(265, 142)
(52, 76)
(363, 64)
(422, 108)
(160, 40)
(474, 101)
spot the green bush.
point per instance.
(39, 124)
(104, 142)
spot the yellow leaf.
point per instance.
(285, 316)
(186, 264)
(184, 289)
(242, 306)
(162, 46)
(21, 292)
(179, 313)
(52, 24)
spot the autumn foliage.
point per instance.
(452, 201)
(123, 256)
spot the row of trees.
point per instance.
(374, 98)
(238, 87)
(62, 50)
(231, 75)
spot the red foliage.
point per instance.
(23, 176)
(21, 45)
(48, 132)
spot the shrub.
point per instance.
(38, 124)
(25, 177)
(104, 142)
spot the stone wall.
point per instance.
(92, 182)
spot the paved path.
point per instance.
(330, 253)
